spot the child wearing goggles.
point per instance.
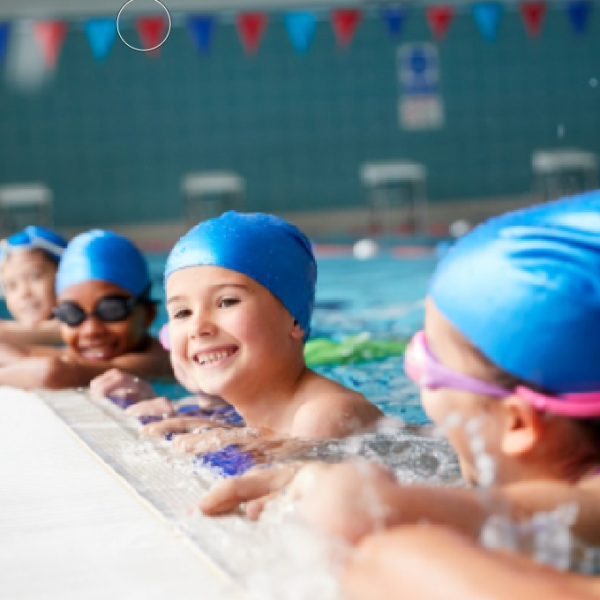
(28, 263)
(104, 310)
(509, 368)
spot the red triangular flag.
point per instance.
(251, 28)
(345, 23)
(50, 36)
(439, 19)
(533, 13)
(151, 31)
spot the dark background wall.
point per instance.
(113, 140)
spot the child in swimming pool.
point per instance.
(28, 263)
(508, 365)
(104, 308)
(239, 293)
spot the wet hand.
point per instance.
(347, 500)
(175, 425)
(158, 407)
(115, 382)
(256, 488)
(213, 439)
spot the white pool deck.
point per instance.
(82, 517)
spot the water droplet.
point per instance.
(593, 82)
(560, 131)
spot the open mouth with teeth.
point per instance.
(214, 356)
(103, 352)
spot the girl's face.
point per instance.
(95, 339)
(463, 416)
(228, 333)
(28, 282)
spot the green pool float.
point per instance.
(353, 349)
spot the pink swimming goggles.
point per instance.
(421, 365)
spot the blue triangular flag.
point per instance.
(487, 17)
(394, 17)
(201, 29)
(3, 40)
(101, 34)
(579, 13)
(301, 27)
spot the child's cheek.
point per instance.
(242, 325)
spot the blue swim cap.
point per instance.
(103, 255)
(266, 248)
(34, 237)
(524, 288)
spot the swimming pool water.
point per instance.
(381, 298)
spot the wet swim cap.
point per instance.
(34, 237)
(524, 288)
(103, 255)
(266, 248)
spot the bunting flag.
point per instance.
(151, 31)
(533, 13)
(394, 18)
(3, 40)
(201, 29)
(300, 28)
(50, 36)
(579, 13)
(251, 28)
(101, 34)
(487, 18)
(439, 19)
(345, 23)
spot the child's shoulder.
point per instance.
(329, 410)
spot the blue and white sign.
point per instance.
(420, 105)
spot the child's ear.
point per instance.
(523, 427)
(297, 331)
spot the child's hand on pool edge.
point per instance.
(255, 488)
(348, 500)
(115, 382)
(157, 407)
(175, 425)
(213, 439)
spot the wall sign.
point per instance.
(420, 105)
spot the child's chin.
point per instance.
(212, 387)
(31, 319)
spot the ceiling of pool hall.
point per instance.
(13, 9)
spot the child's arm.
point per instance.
(69, 370)
(13, 332)
(431, 563)
(51, 372)
(151, 363)
(54, 368)
(355, 499)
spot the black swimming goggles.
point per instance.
(109, 309)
